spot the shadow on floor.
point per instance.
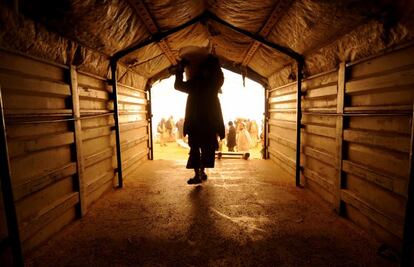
(246, 214)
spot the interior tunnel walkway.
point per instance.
(246, 214)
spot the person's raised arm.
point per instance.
(179, 84)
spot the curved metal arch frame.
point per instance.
(202, 18)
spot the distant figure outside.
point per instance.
(244, 140)
(162, 132)
(180, 128)
(231, 137)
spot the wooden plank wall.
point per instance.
(376, 147)
(42, 165)
(134, 126)
(282, 126)
(319, 133)
(60, 168)
(355, 139)
(97, 135)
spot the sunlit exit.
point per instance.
(238, 102)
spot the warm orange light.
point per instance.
(236, 101)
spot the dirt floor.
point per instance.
(246, 214)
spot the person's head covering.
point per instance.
(193, 52)
(194, 56)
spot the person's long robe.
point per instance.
(203, 115)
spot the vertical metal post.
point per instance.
(298, 119)
(7, 190)
(265, 122)
(339, 132)
(149, 112)
(80, 167)
(116, 117)
(407, 258)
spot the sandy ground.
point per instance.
(246, 214)
(177, 151)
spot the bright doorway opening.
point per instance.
(240, 103)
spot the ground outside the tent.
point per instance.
(246, 214)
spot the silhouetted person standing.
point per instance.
(231, 137)
(203, 121)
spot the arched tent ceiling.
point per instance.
(302, 26)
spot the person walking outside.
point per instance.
(162, 132)
(243, 139)
(180, 128)
(254, 133)
(231, 137)
(203, 121)
(169, 125)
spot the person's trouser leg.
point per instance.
(207, 157)
(193, 161)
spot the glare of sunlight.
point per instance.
(237, 101)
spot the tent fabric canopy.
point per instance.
(88, 32)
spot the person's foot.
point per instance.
(194, 180)
(203, 176)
